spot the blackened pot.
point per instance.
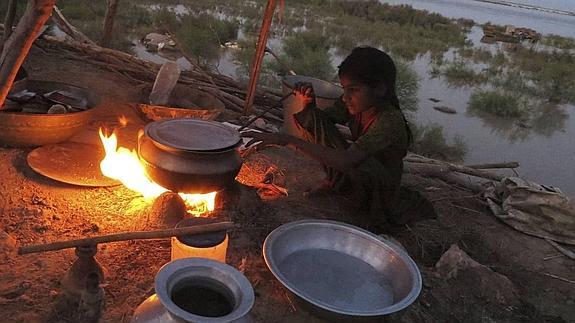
(189, 155)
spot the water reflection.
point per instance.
(545, 120)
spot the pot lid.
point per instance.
(192, 134)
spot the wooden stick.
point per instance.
(564, 251)
(136, 235)
(559, 278)
(494, 165)
(18, 45)
(259, 54)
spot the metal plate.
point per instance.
(71, 162)
(192, 135)
(341, 269)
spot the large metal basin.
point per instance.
(342, 271)
(19, 129)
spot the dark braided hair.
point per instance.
(372, 66)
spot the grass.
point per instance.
(552, 72)
(407, 85)
(497, 103)
(460, 73)
(558, 42)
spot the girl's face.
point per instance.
(359, 97)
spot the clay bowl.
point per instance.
(19, 129)
(185, 102)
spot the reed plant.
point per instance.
(559, 42)
(460, 72)
(497, 103)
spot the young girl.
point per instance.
(370, 167)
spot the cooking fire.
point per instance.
(124, 165)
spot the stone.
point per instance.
(493, 287)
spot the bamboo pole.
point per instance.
(18, 45)
(135, 235)
(259, 54)
(9, 18)
(111, 7)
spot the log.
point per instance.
(18, 45)
(111, 8)
(140, 71)
(62, 23)
(445, 166)
(136, 235)
(443, 173)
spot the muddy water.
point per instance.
(545, 151)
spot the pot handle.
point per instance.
(140, 138)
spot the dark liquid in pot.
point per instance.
(204, 298)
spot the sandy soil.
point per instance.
(35, 209)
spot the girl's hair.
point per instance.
(371, 66)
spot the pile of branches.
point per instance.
(140, 71)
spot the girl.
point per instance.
(370, 166)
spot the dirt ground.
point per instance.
(537, 282)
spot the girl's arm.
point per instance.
(343, 160)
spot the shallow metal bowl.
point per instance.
(341, 270)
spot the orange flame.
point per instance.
(124, 165)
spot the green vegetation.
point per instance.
(430, 142)
(553, 73)
(308, 53)
(482, 55)
(200, 35)
(460, 73)
(497, 103)
(558, 42)
(88, 17)
(407, 86)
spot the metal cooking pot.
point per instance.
(189, 155)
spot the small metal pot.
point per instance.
(189, 155)
(198, 290)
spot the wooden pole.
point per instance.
(259, 54)
(18, 45)
(9, 18)
(111, 8)
(136, 235)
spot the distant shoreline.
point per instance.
(531, 7)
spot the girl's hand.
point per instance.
(266, 139)
(304, 93)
